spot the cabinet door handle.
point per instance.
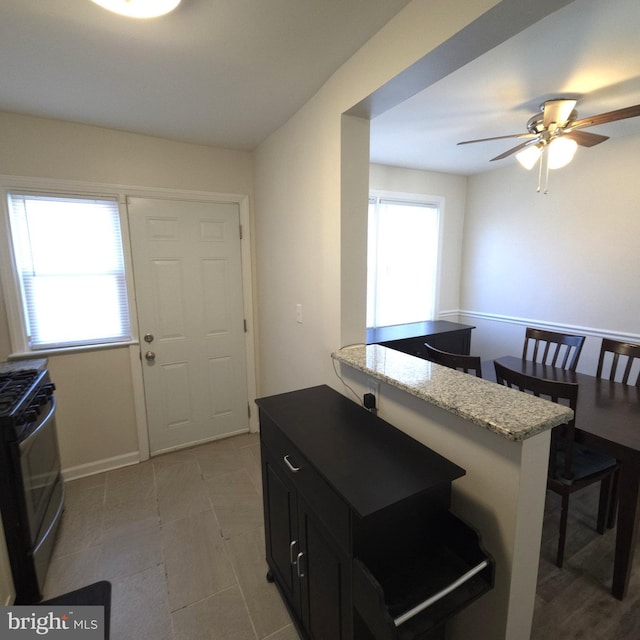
(299, 564)
(290, 465)
(292, 552)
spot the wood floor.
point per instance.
(575, 602)
(180, 537)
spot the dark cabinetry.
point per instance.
(410, 338)
(359, 537)
(306, 548)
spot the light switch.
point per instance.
(299, 313)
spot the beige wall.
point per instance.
(95, 411)
(64, 150)
(569, 258)
(310, 250)
(96, 415)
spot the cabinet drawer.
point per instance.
(325, 504)
(403, 600)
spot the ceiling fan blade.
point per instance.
(585, 139)
(610, 116)
(513, 150)
(557, 111)
(514, 135)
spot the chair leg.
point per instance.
(562, 538)
(613, 501)
(604, 504)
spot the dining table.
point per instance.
(607, 420)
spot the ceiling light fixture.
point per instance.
(561, 152)
(529, 156)
(553, 155)
(139, 8)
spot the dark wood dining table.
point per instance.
(607, 420)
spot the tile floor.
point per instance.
(180, 537)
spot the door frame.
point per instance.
(246, 253)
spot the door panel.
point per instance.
(176, 403)
(281, 528)
(188, 281)
(166, 283)
(324, 584)
(214, 287)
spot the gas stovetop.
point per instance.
(22, 394)
(14, 387)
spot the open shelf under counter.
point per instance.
(413, 596)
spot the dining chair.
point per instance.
(468, 364)
(555, 349)
(571, 465)
(622, 361)
(630, 355)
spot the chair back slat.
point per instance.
(468, 364)
(624, 354)
(556, 349)
(562, 437)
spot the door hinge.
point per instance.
(248, 410)
(240, 232)
(245, 325)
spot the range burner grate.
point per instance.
(13, 387)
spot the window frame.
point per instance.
(11, 281)
(420, 199)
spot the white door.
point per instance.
(188, 284)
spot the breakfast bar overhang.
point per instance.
(501, 437)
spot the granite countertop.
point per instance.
(507, 412)
(18, 365)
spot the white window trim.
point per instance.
(10, 280)
(428, 200)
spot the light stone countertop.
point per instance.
(18, 365)
(507, 412)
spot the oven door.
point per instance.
(40, 465)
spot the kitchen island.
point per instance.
(501, 437)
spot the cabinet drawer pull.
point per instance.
(292, 546)
(299, 564)
(290, 465)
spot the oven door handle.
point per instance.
(25, 443)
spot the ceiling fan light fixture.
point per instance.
(561, 152)
(139, 8)
(529, 156)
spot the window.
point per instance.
(402, 261)
(69, 268)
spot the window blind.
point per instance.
(402, 261)
(70, 264)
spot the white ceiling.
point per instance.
(218, 72)
(589, 50)
(229, 72)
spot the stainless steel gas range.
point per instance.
(31, 486)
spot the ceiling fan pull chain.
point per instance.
(546, 168)
(540, 171)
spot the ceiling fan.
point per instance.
(557, 130)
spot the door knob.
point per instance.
(150, 356)
(148, 337)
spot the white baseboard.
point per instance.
(196, 443)
(99, 466)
